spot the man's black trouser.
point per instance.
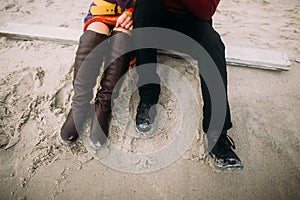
(149, 13)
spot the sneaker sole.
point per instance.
(235, 167)
(217, 167)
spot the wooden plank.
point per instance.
(235, 56)
(257, 58)
(246, 57)
(40, 32)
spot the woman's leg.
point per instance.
(85, 75)
(111, 75)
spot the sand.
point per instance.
(36, 91)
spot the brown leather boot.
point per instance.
(86, 70)
(110, 77)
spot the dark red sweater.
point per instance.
(203, 9)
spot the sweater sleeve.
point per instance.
(124, 3)
(203, 9)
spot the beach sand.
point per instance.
(36, 92)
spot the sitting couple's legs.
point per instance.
(86, 70)
(209, 39)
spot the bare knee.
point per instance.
(99, 27)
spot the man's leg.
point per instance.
(224, 157)
(146, 15)
(209, 39)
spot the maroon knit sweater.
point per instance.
(203, 9)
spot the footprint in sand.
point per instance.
(61, 98)
(24, 88)
(19, 104)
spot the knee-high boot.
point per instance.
(110, 77)
(86, 71)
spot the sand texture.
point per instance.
(36, 91)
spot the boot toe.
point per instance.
(143, 127)
(68, 136)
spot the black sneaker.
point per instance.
(144, 118)
(224, 157)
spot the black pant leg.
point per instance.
(147, 14)
(210, 40)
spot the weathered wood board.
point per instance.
(236, 56)
(40, 32)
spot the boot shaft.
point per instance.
(117, 67)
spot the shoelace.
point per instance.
(230, 141)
